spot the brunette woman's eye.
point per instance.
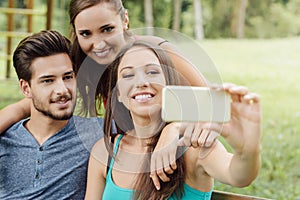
(84, 33)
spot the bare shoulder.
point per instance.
(99, 152)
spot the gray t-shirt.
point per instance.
(55, 170)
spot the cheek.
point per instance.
(84, 44)
(160, 82)
(123, 88)
(117, 40)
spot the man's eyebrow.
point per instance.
(46, 76)
(69, 73)
(51, 76)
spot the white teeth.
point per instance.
(143, 96)
(102, 53)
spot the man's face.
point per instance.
(52, 87)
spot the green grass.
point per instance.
(10, 91)
(270, 68)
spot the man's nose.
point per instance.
(60, 87)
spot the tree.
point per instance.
(148, 15)
(199, 32)
(176, 15)
(241, 19)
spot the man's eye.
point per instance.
(47, 81)
(68, 77)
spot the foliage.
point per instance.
(280, 21)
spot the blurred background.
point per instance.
(251, 42)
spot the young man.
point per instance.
(46, 156)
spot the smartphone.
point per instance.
(195, 104)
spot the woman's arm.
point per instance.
(96, 172)
(189, 73)
(243, 134)
(14, 113)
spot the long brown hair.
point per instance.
(120, 114)
(91, 76)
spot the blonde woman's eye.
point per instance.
(127, 76)
(153, 72)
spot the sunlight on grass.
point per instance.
(270, 68)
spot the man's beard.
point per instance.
(53, 116)
(39, 107)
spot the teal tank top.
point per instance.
(112, 191)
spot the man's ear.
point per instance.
(25, 88)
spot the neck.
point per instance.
(43, 127)
(147, 127)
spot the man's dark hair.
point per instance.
(42, 44)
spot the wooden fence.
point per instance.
(10, 33)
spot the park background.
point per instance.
(251, 42)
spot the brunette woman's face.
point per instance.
(100, 32)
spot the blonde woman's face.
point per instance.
(100, 32)
(140, 82)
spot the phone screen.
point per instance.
(186, 103)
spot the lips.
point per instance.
(61, 100)
(143, 97)
(102, 54)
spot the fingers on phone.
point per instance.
(251, 98)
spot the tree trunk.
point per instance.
(241, 19)
(148, 16)
(199, 32)
(176, 15)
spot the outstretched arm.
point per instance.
(243, 134)
(14, 113)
